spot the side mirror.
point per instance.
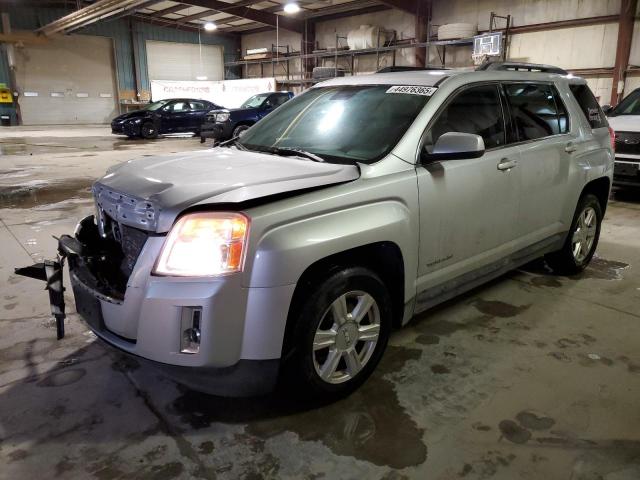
(606, 109)
(455, 146)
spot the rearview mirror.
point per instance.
(606, 109)
(455, 146)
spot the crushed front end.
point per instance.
(191, 328)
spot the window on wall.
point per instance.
(475, 110)
(536, 110)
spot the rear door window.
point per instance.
(589, 106)
(475, 110)
(536, 111)
(197, 106)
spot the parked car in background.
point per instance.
(177, 115)
(293, 251)
(625, 121)
(223, 124)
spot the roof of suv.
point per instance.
(430, 78)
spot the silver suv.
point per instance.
(294, 251)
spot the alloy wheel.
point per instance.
(584, 234)
(346, 337)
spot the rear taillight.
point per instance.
(612, 138)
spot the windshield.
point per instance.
(156, 105)
(628, 106)
(344, 123)
(255, 101)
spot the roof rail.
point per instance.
(399, 68)
(520, 66)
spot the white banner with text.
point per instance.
(226, 93)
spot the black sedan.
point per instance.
(176, 115)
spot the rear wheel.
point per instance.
(582, 240)
(148, 130)
(340, 334)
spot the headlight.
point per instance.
(204, 244)
(222, 117)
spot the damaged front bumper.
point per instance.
(146, 315)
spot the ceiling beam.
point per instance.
(167, 11)
(169, 23)
(261, 16)
(408, 6)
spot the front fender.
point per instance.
(285, 252)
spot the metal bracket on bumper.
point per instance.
(51, 272)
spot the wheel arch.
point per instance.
(383, 258)
(600, 187)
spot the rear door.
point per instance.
(547, 142)
(467, 207)
(198, 111)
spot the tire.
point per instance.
(343, 362)
(148, 131)
(239, 131)
(585, 231)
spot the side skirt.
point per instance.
(456, 286)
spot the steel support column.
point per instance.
(423, 15)
(623, 49)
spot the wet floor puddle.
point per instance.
(598, 269)
(40, 193)
(369, 425)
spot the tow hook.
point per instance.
(50, 272)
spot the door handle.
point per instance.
(570, 148)
(506, 164)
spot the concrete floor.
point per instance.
(532, 376)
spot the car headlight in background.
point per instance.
(222, 117)
(204, 244)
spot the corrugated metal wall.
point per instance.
(120, 31)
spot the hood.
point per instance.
(149, 193)
(134, 114)
(625, 123)
(235, 112)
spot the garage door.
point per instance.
(182, 61)
(69, 80)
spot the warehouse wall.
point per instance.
(581, 47)
(124, 43)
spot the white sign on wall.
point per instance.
(227, 93)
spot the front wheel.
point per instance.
(239, 131)
(340, 334)
(582, 240)
(148, 130)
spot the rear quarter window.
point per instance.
(589, 106)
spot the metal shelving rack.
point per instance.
(350, 55)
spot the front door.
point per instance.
(468, 207)
(175, 117)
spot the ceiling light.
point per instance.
(291, 7)
(201, 77)
(210, 26)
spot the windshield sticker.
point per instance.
(412, 90)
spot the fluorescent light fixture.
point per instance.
(201, 77)
(210, 26)
(291, 7)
